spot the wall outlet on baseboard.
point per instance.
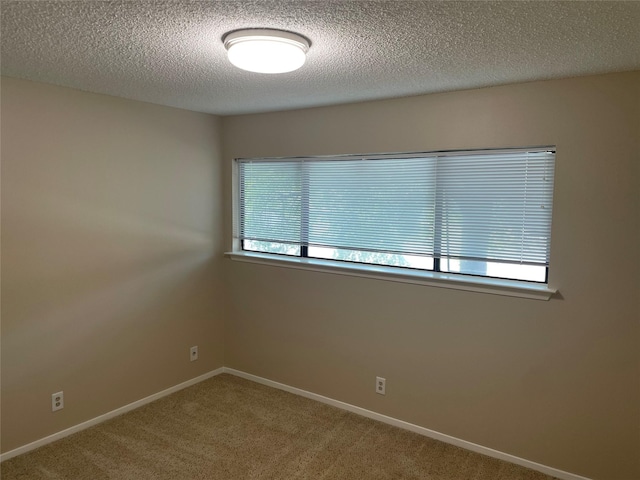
(57, 401)
(193, 353)
(381, 384)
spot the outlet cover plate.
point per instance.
(57, 401)
(381, 385)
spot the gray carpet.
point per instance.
(229, 428)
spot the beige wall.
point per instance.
(555, 382)
(112, 240)
(111, 253)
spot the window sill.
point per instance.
(495, 286)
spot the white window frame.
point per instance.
(481, 284)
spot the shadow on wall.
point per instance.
(88, 270)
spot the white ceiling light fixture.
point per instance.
(266, 50)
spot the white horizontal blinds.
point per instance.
(372, 205)
(270, 201)
(490, 206)
(496, 206)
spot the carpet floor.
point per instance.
(228, 428)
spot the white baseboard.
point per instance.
(411, 427)
(107, 416)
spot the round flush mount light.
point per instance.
(266, 50)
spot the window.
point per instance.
(481, 213)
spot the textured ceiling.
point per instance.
(170, 52)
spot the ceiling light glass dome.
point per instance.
(266, 51)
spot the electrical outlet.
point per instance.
(380, 385)
(193, 353)
(57, 401)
